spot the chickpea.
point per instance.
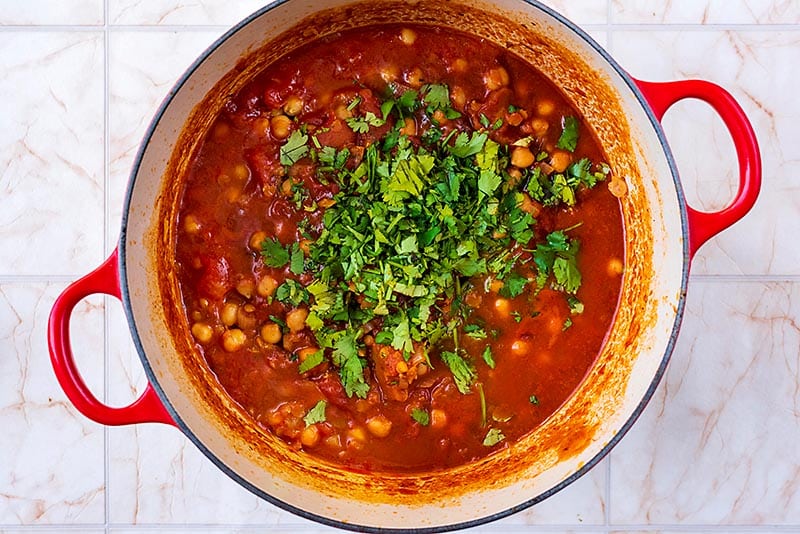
(496, 285)
(191, 224)
(245, 287)
(266, 287)
(261, 126)
(539, 126)
(503, 306)
(618, 187)
(438, 418)
(414, 77)
(296, 319)
(408, 36)
(271, 333)
(379, 426)
(245, 317)
(293, 106)
(545, 107)
(522, 157)
(422, 369)
(221, 130)
(460, 65)
(229, 312)
(496, 78)
(286, 187)
(305, 246)
(310, 436)
(342, 112)
(458, 96)
(356, 435)
(280, 126)
(233, 194)
(305, 353)
(389, 73)
(560, 160)
(233, 340)
(241, 172)
(615, 267)
(256, 239)
(528, 205)
(202, 332)
(520, 347)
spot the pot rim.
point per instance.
(612, 442)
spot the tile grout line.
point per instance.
(106, 208)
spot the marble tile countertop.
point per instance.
(718, 448)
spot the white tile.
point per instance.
(175, 12)
(158, 476)
(705, 12)
(52, 457)
(753, 67)
(581, 11)
(718, 442)
(51, 146)
(140, 76)
(44, 12)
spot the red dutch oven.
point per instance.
(662, 233)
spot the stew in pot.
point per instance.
(399, 248)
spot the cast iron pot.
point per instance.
(661, 233)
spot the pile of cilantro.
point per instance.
(412, 225)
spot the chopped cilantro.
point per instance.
(463, 372)
(517, 316)
(413, 218)
(513, 285)
(297, 260)
(421, 416)
(533, 399)
(567, 324)
(316, 414)
(292, 293)
(569, 134)
(493, 437)
(273, 253)
(294, 149)
(311, 361)
(488, 357)
(361, 124)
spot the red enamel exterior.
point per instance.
(147, 408)
(703, 225)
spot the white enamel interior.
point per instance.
(157, 348)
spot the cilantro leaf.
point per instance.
(297, 260)
(311, 361)
(421, 416)
(292, 293)
(513, 285)
(493, 437)
(488, 357)
(463, 372)
(316, 414)
(465, 145)
(569, 134)
(273, 253)
(294, 149)
(351, 366)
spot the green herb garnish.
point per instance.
(316, 414)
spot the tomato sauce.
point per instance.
(238, 193)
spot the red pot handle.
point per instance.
(147, 408)
(703, 225)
